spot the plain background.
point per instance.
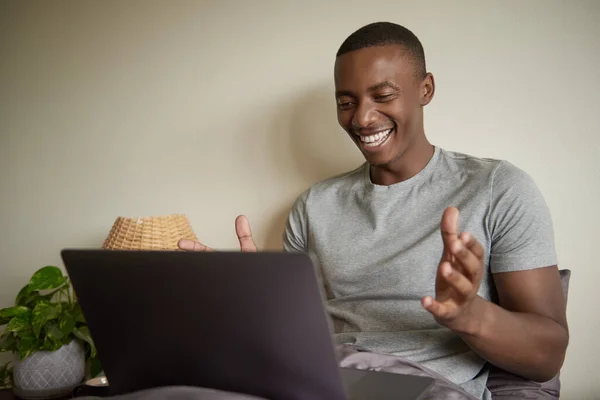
(217, 108)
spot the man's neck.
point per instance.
(409, 164)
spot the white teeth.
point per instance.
(378, 137)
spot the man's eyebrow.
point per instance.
(340, 93)
(384, 84)
(381, 85)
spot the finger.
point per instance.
(244, 234)
(449, 228)
(460, 283)
(472, 244)
(192, 245)
(470, 263)
(439, 310)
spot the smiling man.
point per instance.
(404, 275)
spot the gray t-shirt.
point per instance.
(377, 248)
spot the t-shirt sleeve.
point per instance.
(520, 223)
(295, 235)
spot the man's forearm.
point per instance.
(528, 345)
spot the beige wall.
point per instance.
(215, 108)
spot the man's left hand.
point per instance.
(458, 277)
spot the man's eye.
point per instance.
(345, 105)
(384, 97)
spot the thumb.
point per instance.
(192, 245)
(244, 234)
(449, 228)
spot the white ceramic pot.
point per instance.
(47, 374)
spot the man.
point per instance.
(452, 297)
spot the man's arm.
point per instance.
(527, 333)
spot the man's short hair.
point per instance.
(387, 33)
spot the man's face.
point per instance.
(379, 101)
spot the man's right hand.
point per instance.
(242, 229)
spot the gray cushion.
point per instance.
(178, 393)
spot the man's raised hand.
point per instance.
(458, 276)
(242, 229)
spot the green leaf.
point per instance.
(77, 313)
(27, 345)
(83, 333)
(66, 324)
(20, 300)
(5, 376)
(42, 313)
(50, 345)
(54, 333)
(8, 342)
(32, 299)
(7, 314)
(95, 367)
(47, 344)
(13, 311)
(49, 277)
(19, 323)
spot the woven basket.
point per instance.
(149, 233)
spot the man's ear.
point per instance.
(427, 89)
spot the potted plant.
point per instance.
(47, 333)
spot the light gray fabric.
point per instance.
(442, 388)
(377, 248)
(177, 393)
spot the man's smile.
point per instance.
(374, 141)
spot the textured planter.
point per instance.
(46, 374)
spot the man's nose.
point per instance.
(364, 116)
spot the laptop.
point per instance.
(252, 323)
